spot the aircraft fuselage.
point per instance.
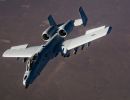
(48, 51)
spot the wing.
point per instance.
(22, 51)
(89, 36)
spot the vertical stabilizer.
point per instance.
(83, 16)
(51, 21)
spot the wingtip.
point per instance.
(3, 55)
(109, 30)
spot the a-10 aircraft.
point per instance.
(36, 57)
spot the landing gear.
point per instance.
(30, 62)
(28, 65)
(75, 50)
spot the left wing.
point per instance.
(89, 36)
(22, 51)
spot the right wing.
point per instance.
(22, 51)
(89, 36)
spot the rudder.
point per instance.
(83, 16)
(51, 21)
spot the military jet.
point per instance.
(36, 57)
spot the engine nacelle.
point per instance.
(45, 37)
(66, 28)
(62, 33)
(49, 32)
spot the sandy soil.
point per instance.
(100, 72)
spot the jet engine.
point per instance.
(45, 37)
(62, 33)
(66, 28)
(49, 32)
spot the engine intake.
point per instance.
(66, 28)
(62, 33)
(45, 37)
(49, 32)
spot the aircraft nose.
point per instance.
(25, 84)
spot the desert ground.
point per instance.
(100, 72)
